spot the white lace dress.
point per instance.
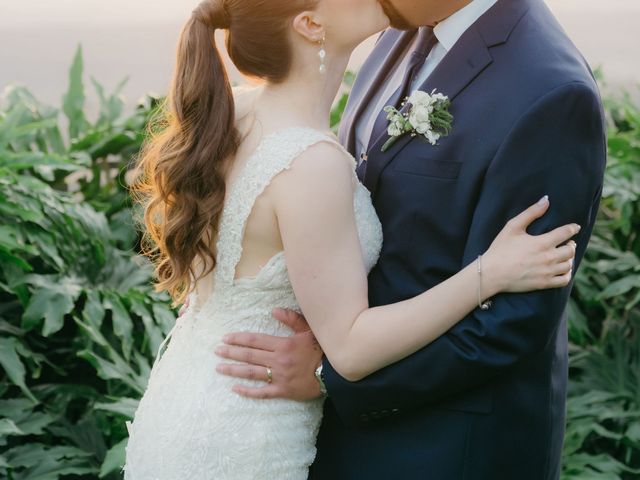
(189, 425)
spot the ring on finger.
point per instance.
(269, 375)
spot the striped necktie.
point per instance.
(424, 44)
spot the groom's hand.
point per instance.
(292, 360)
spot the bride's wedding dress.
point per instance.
(189, 425)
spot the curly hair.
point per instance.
(181, 171)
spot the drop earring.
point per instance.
(323, 55)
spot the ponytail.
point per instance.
(183, 165)
(182, 168)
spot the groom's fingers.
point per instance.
(259, 341)
(270, 391)
(291, 319)
(249, 372)
(250, 356)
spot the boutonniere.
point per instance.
(428, 116)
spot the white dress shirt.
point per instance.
(448, 32)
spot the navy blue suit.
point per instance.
(486, 401)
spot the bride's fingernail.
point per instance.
(543, 200)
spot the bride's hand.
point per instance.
(519, 262)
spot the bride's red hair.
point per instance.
(183, 163)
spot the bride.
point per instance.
(250, 204)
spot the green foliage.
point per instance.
(338, 108)
(79, 320)
(603, 431)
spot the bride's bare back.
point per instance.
(262, 239)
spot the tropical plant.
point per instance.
(603, 428)
(79, 321)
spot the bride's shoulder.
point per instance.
(322, 166)
(324, 155)
(318, 178)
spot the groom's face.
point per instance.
(409, 14)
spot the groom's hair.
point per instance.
(395, 17)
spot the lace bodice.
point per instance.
(189, 423)
(275, 154)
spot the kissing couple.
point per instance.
(388, 303)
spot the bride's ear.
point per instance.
(307, 24)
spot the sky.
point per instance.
(137, 38)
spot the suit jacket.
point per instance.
(486, 401)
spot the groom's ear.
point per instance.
(308, 24)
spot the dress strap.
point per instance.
(276, 153)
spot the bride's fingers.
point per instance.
(526, 218)
(251, 356)
(562, 268)
(249, 372)
(560, 235)
(560, 281)
(270, 391)
(564, 252)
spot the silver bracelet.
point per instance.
(483, 305)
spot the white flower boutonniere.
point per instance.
(428, 116)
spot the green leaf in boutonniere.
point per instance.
(427, 116)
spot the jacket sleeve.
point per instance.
(557, 148)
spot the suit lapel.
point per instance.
(462, 64)
(373, 73)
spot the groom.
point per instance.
(486, 401)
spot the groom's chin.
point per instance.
(402, 26)
(396, 20)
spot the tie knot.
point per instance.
(426, 42)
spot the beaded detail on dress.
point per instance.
(189, 424)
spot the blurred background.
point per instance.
(80, 322)
(137, 38)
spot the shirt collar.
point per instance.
(449, 31)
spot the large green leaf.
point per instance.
(122, 324)
(37, 461)
(13, 366)
(111, 106)
(125, 407)
(73, 100)
(50, 303)
(8, 427)
(114, 460)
